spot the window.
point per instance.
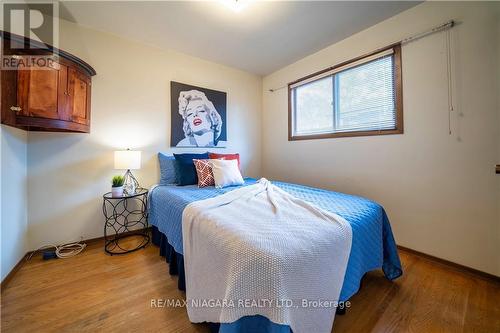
(356, 98)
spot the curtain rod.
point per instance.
(447, 25)
(444, 26)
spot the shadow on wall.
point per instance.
(65, 226)
(64, 200)
(45, 146)
(14, 181)
(11, 138)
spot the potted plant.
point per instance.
(117, 186)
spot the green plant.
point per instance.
(117, 181)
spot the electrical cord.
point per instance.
(62, 251)
(70, 250)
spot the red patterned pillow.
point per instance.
(217, 156)
(204, 172)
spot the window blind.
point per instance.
(358, 96)
(343, 67)
(364, 97)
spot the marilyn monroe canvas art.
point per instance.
(198, 116)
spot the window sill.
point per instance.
(343, 134)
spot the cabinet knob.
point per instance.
(16, 108)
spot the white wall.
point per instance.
(68, 173)
(439, 190)
(13, 197)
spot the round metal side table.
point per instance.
(126, 218)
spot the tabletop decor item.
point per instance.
(117, 186)
(128, 160)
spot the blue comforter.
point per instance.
(373, 244)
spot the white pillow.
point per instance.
(226, 173)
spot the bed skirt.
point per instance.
(174, 260)
(248, 324)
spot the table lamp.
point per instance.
(128, 160)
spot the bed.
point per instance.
(373, 246)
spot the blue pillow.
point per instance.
(186, 169)
(168, 174)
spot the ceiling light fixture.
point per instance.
(235, 5)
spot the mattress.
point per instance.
(373, 246)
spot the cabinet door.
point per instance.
(79, 96)
(8, 96)
(42, 92)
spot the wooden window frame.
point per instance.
(398, 92)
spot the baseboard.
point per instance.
(452, 265)
(429, 257)
(101, 239)
(18, 266)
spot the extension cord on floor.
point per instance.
(62, 251)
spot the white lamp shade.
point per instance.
(127, 159)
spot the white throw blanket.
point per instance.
(261, 251)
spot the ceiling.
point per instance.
(261, 38)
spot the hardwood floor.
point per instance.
(97, 292)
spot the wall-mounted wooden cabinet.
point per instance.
(52, 97)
